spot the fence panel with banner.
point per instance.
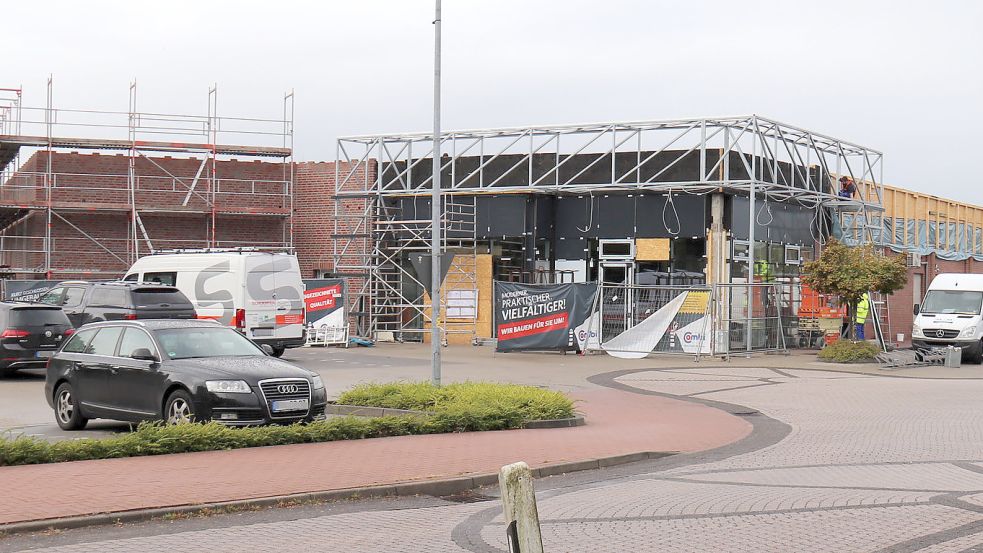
(325, 301)
(541, 316)
(632, 322)
(26, 290)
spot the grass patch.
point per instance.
(509, 401)
(455, 408)
(846, 351)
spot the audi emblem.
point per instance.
(288, 388)
(940, 333)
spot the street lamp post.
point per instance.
(435, 271)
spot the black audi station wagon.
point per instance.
(178, 371)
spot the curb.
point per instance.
(436, 488)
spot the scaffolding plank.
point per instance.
(14, 141)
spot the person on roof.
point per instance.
(847, 188)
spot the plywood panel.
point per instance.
(652, 249)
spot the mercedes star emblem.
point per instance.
(940, 333)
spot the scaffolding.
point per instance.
(41, 191)
(750, 156)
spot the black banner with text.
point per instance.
(540, 316)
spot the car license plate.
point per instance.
(44, 354)
(290, 405)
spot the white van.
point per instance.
(259, 293)
(951, 314)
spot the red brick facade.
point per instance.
(91, 226)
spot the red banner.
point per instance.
(320, 299)
(528, 327)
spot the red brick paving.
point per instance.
(617, 423)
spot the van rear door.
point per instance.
(274, 297)
(260, 299)
(289, 298)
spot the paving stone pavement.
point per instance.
(871, 463)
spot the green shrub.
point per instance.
(846, 351)
(465, 407)
(484, 400)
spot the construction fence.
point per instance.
(636, 321)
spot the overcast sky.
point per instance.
(902, 77)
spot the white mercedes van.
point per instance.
(260, 293)
(951, 314)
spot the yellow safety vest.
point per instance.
(763, 270)
(863, 309)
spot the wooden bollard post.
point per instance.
(521, 514)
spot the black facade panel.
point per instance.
(774, 221)
(500, 216)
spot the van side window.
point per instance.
(167, 279)
(131, 277)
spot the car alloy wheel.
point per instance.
(179, 411)
(67, 413)
(65, 407)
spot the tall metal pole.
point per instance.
(435, 209)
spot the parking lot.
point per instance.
(23, 410)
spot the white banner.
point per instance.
(640, 340)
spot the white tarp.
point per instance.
(640, 340)
(695, 337)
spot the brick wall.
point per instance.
(102, 181)
(90, 195)
(316, 217)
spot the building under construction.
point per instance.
(695, 201)
(84, 193)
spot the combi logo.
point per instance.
(583, 335)
(690, 337)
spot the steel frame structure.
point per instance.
(774, 161)
(138, 133)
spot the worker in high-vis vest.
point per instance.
(762, 270)
(863, 309)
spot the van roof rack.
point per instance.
(242, 249)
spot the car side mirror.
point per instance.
(916, 309)
(143, 354)
(267, 349)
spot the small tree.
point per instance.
(849, 272)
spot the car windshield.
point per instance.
(188, 343)
(959, 302)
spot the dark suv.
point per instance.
(89, 302)
(30, 334)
